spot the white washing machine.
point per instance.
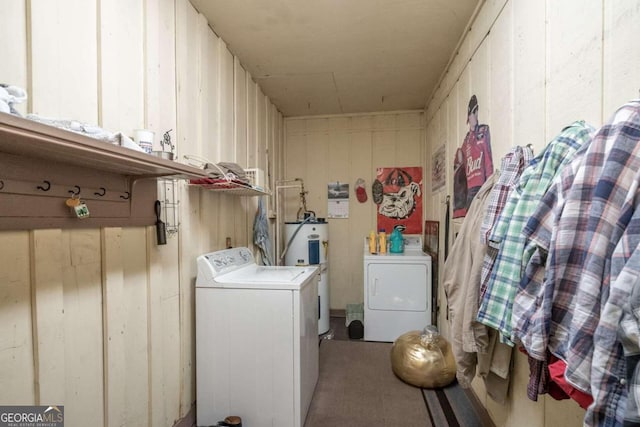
(256, 340)
(397, 291)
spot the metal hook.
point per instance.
(1, 184)
(40, 187)
(75, 193)
(104, 191)
(127, 195)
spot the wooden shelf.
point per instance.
(41, 166)
(27, 138)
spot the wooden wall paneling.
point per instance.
(253, 149)
(240, 113)
(83, 324)
(274, 172)
(479, 72)
(279, 145)
(227, 149)
(163, 284)
(212, 133)
(122, 109)
(316, 175)
(574, 64)
(341, 248)
(384, 144)
(558, 413)
(621, 57)
(55, 90)
(13, 42)
(270, 168)
(441, 123)
(48, 316)
(278, 142)
(16, 338)
(134, 243)
(265, 158)
(363, 214)
(409, 144)
(241, 205)
(188, 72)
(523, 407)
(455, 105)
(115, 326)
(458, 113)
(160, 67)
(164, 331)
(296, 161)
(429, 196)
(529, 56)
(206, 62)
(121, 62)
(211, 144)
(477, 31)
(501, 86)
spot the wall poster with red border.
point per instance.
(397, 192)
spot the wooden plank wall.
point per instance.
(344, 148)
(101, 320)
(535, 67)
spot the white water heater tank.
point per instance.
(308, 244)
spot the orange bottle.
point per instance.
(382, 240)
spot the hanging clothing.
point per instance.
(590, 224)
(514, 252)
(511, 167)
(537, 313)
(629, 332)
(261, 234)
(460, 281)
(607, 189)
(538, 308)
(475, 348)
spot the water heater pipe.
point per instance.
(281, 186)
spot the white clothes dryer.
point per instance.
(256, 340)
(397, 291)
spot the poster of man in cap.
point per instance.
(473, 162)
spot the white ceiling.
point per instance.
(314, 57)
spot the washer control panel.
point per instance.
(218, 262)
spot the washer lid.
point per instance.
(267, 277)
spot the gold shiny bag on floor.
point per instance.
(423, 359)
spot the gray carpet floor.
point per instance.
(357, 388)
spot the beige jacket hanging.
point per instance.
(474, 345)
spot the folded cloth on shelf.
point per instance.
(226, 170)
(9, 96)
(78, 127)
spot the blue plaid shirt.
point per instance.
(513, 251)
(540, 308)
(606, 195)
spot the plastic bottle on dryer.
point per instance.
(382, 240)
(397, 242)
(372, 242)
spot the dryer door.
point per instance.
(398, 287)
